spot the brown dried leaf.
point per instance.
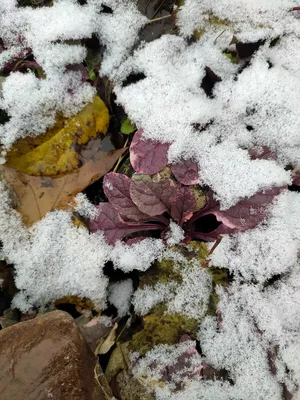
(93, 331)
(106, 344)
(39, 195)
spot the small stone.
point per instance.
(47, 358)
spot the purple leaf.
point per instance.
(247, 213)
(213, 235)
(79, 68)
(296, 177)
(148, 156)
(183, 205)
(186, 172)
(152, 198)
(113, 228)
(116, 189)
(262, 153)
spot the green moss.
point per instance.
(197, 250)
(232, 57)
(214, 20)
(219, 277)
(198, 33)
(165, 271)
(162, 272)
(159, 328)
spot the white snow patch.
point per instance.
(189, 296)
(32, 103)
(119, 294)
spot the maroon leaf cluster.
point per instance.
(143, 205)
(149, 157)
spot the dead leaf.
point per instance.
(55, 152)
(93, 331)
(38, 195)
(104, 391)
(106, 344)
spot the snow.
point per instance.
(175, 234)
(174, 72)
(54, 258)
(189, 295)
(250, 20)
(253, 105)
(138, 255)
(119, 294)
(267, 250)
(84, 207)
(33, 103)
(118, 32)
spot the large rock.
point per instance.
(47, 358)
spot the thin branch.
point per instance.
(159, 19)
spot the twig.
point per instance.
(121, 157)
(159, 19)
(107, 396)
(219, 36)
(158, 8)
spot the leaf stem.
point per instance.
(159, 18)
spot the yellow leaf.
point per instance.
(54, 152)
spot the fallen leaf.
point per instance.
(39, 195)
(106, 344)
(54, 152)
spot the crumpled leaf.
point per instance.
(152, 198)
(116, 189)
(186, 172)
(147, 156)
(55, 152)
(127, 127)
(183, 205)
(113, 228)
(39, 195)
